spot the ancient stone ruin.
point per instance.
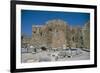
(58, 34)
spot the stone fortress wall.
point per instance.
(58, 34)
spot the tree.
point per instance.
(86, 35)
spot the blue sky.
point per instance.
(33, 17)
